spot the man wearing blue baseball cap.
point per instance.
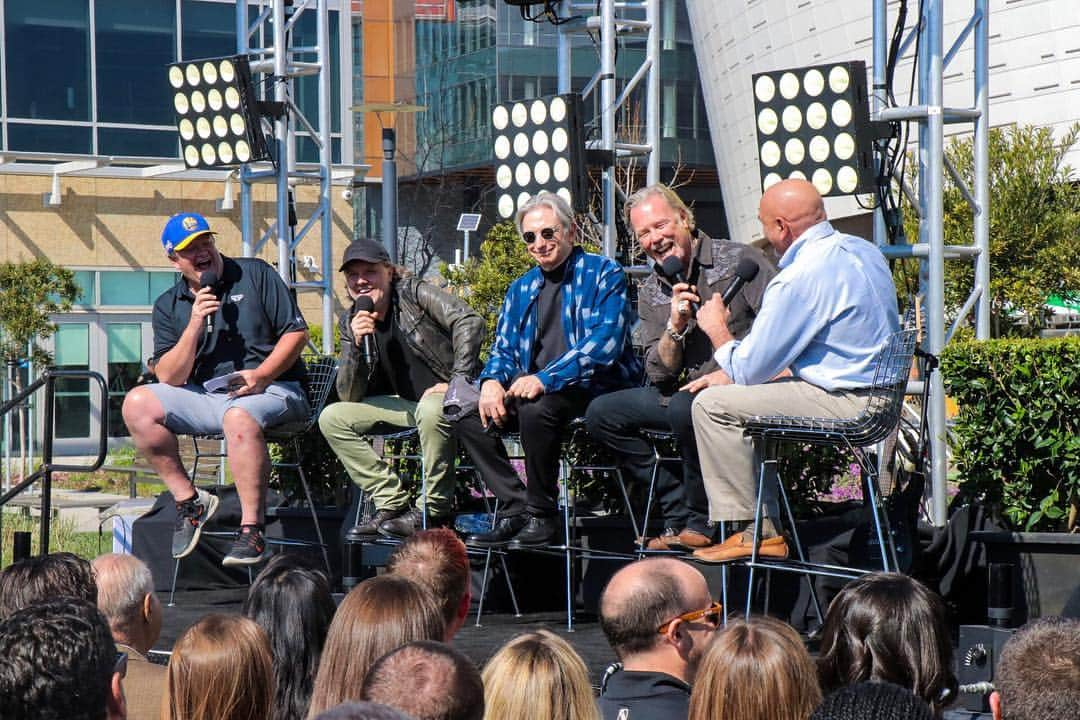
(227, 344)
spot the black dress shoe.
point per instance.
(409, 522)
(538, 532)
(501, 534)
(368, 528)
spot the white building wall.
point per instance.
(1034, 71)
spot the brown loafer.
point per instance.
(694, 539)
(667, 540)
(740, 546)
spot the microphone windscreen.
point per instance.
(208, 279)
(364, 303)
(747, 269)
(672, 267)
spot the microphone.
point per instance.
(367, 349)
(209, 279)
(745, 271)
(672, 268)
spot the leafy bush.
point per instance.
(1019, 427)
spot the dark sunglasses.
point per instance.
(710, 615)
(546, 233)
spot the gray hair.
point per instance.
(123, 583)
(663, 191)
(563, 213)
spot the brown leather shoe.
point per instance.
(741, 545)
(693, 539)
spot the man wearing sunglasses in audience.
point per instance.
(563, 337)
(659, 618)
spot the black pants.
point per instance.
(614, 419)
(540, 424)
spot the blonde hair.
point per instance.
(538, 676)
(755, 670)
(377, 616)
(220, 669)
(663, 191)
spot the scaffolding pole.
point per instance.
(931, 116)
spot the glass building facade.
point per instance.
(88, 76)
(485, 53)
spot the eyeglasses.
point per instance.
(546, 233)
(710, 614)
(120, 666)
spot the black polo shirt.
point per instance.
(256, 310)
(637, 695)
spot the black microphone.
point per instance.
(367, 349)
(209, 279)
(745, 271)
(673, 269)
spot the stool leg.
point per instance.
(172, 589)
(723, 576)
(649, 500)
(626, 501)
(768, 457)
(884, 536)
(799, 550)
(569, 552)
(314, 514)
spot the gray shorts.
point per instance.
(190, 410)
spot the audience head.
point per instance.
(888, 626)
(376, 616)
(538, 676)
(873, 700)
(59, 662)
(292, 603)
(220, 669)
(428, 681)
(755, 669)
(362, 711)
(657, 594)
(125, 596)
(1038, 674)
(787, 210)
(45, 577)
(437, 560)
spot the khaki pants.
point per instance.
(729, 464)
(343, 424)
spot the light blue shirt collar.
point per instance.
(822, 229)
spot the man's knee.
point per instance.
(429, 414)
(141, 407)
(238, 426)
(332, 418)
(679, 415)
(599, 416)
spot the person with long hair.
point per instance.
(220, 669)
(292, 603)
(888, 626)
(756, 669)
(538, 676)
(377, 616)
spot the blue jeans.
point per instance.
(615, 418)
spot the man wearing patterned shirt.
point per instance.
(563, 337)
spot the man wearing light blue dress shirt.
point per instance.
(824, 317)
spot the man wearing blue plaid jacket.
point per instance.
(563, 338)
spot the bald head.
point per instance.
(787, 210)
(644, 595)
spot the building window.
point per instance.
(48, 60)
(72, 414)
(134, 41)
(124, 358)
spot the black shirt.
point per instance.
(550, 339)
(256, 310)
(644, 696)
(399, 371)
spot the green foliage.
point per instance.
(1034, 226)
(315, 336)
(482, 281)
(29, 293)
(1019, 427)
(63, 536)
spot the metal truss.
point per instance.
(931, 116)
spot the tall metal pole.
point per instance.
(247, 227)
(326, 159)
(652, 91)
(878, 97)
(284, 140)
(562, 53)
(607, 120)
(389, 194)
(982, 168)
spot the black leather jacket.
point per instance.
(441, 329)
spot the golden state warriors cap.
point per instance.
(181, 229)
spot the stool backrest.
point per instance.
(886, 395)
(321, 376)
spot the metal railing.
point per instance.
(48, 467)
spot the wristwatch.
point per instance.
(678, 337)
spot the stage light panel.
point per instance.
(216, 112)
(538, 145)
(814, 123)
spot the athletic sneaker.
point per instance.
(249, 548)
(191, 515)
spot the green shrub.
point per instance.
(1018, 428)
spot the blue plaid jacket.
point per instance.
(596, 319)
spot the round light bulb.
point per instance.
(500, 117)
(813, 82)
(770, 154)
(822, 180)
(789, 85)
(767, 121)
(792, 118)
(764, 89)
